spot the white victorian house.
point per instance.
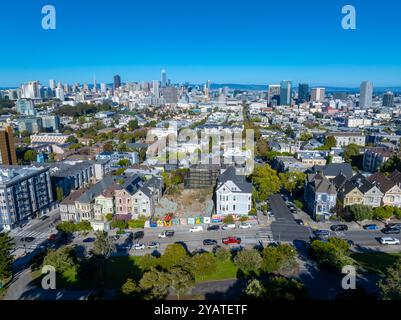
(233, 194)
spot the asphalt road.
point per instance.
(284, 228)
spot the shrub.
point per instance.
(137, 224)
(360, 212)
(253, 212)
(119, 224)
(299, 204)
(228, 219)
(383, 213)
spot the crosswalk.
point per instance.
(40, 237)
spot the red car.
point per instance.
(232, 240)
(52, 237)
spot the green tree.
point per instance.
(333, 254)
(181, 281)
(108, 147)
(6, 259)
(266, 182)
(351, 151)
(248, 260)
(133, 125)
(281, 288)
(203, 264)
(255, 290)
(306, 136)
(360, 212)
(71, 139)
(174, 255)
(61, 259)
(292, 181)
(279, 259)
(147, 262)
(392, 164)
(390, 286)
(330, 142)
(103, 246)
(156, 284)
(383, 213)
(222, 254)
(130, 288)
(30, 156)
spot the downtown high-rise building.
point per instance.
(303, 92)
(366, 94)
(30, 90)
(273, 93)
(155, 88)
(388, 99)
(117, 82)
(164, 78)
(8, 155)
(103, 87)
(285, 93)
(318, 94)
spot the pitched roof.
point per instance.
(231, 175)
(334, 169)
(382, 182)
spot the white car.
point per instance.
(153, 245)
(228, 226)
(139, 246)
(245, 225)
(196, 229)
(389, 241)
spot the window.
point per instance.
(233, 207)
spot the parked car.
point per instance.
(232, 240)
(123, 247)
(153, 245)
(213, 227)
(116, 237)
(209, 242)
(245, 225)
(391, 230)
(166, 234)
(229, 226)
(27, 239)
(139, 235)
(394, 225)
(389, 241)
(52, 237)
(322, 235)
(339, 227)
(371, 227)
(139, 246)
(299, 221)
(196, 229)
(88, 240)
(43, 218)
(351, 243)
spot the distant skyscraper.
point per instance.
(303, 92)
(52, 84)
(30, 90)
(170, 95)
(155, 88)
(103, 88)
(366, 97)
(26, 107)
(285, 93)
(318, 94)
(94, 85)
(8, 155)
(273, 93)
(388, 99)
(117, 82)
(164, 78)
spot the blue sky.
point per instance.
(226, 41)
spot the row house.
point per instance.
(389, 186)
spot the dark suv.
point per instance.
(339, 227)
(214, 227)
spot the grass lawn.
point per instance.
(225, 270)
(376, 262)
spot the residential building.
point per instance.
(233, 194)
(25, 193)
(26, 107)
(344, 139)
(56, 138)
(375, 157)
(8, 155)
(390, 187)
(320, 196)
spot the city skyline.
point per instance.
(218, 41)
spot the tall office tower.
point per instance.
(26, 107)
(50, 123)
(365, 100)
(52, 84)
(164, 78)
(273, 93)
(103, 87)
(117, 82)
(318, 94)
(388, 99)
(155, 88)
(8, 156)
(303, 92)
(94, 90)
(285, 93)
(170, 95)
(30, 90)
(60, 92)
